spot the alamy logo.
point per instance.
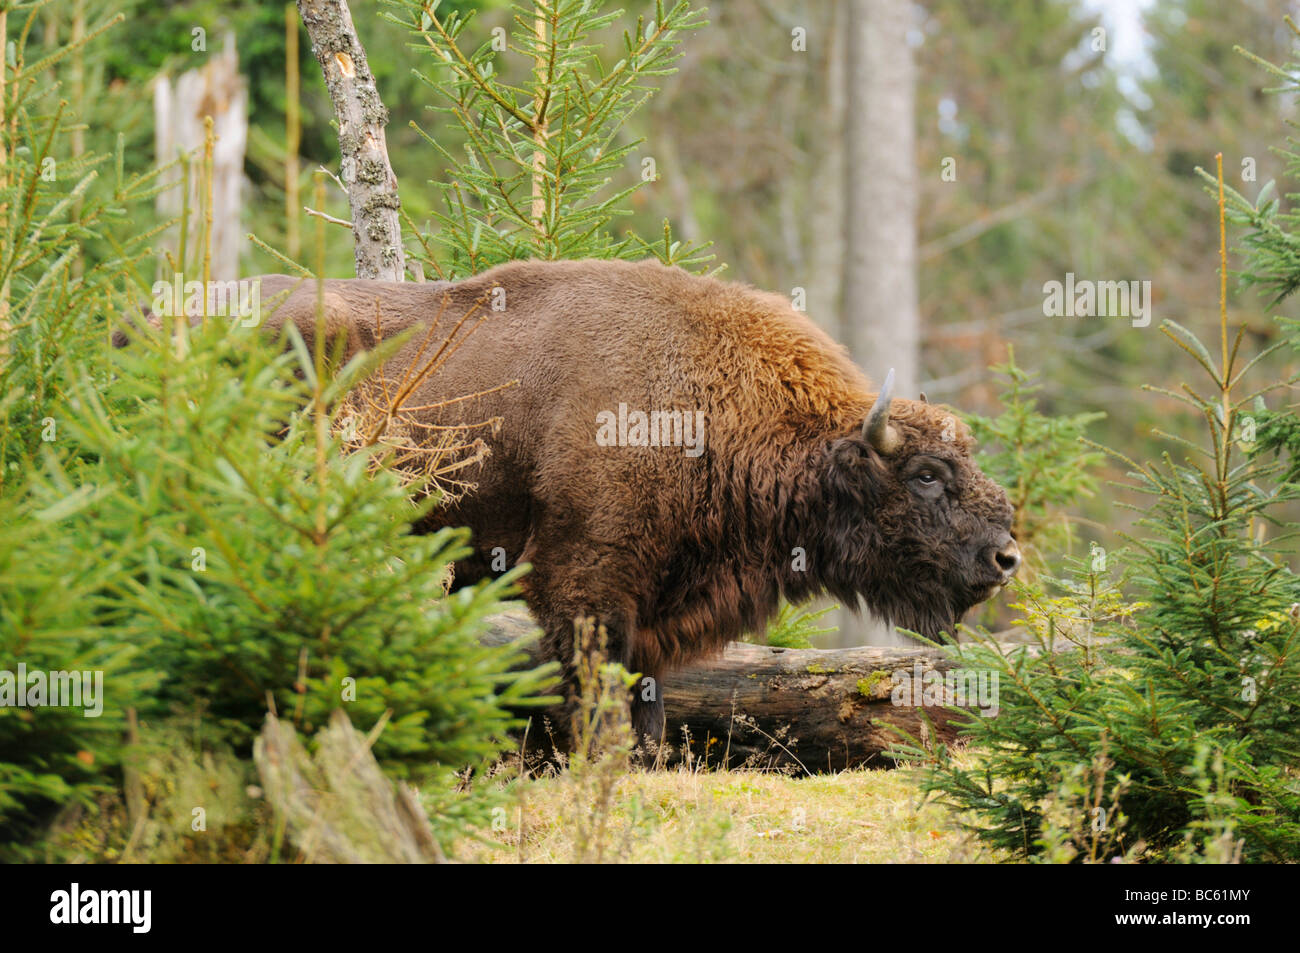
(658, 428)
(133, 907)
(37, 689)
(1098, 299)
(962, 687)
(218, 299)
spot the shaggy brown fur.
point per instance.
(678, 555)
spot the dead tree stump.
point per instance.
(218, 90)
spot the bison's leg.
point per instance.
(647, 701)
(553, 596)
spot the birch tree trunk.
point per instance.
(366, 171)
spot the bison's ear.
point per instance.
(854, 472)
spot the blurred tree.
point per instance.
(881, 321)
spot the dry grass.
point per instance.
(597, 809)
(683, 816)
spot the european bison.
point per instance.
(679, 453)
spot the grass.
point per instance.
(684, 816)
(597, 808)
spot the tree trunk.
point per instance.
(826, 233)
(797, 709)
(880, 308)
(880, 294)
(365, 171)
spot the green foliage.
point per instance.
(1202, 671)
(49, 622)
(172, 773)
(51, 300)
(50, 297)
(1039, 459)
(541, 149)
(795, 627)
(1271, 238)
(182, 518)
(187, 549)
(284, 570)
(1164, 728)
(1278, 432)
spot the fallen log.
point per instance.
(792, 709)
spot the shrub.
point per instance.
(51, 302)
(1039, 459)
(1184, 701)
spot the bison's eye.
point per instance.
(928, 483)
(927, 477)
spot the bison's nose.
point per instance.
(1007, 558)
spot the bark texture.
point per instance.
(366, 170)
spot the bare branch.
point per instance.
(329, 218)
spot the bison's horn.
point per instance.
(876, 429)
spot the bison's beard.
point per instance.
(933, 615)
(938, 623)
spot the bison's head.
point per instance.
(918, 532)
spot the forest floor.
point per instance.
(686, 816)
